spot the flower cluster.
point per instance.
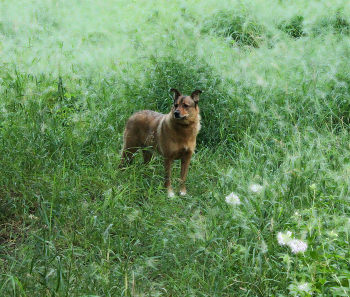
(283, 239)
(304, 287)
(255, 188)
(233, 199)
(295, 245)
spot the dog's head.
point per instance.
(185, 108)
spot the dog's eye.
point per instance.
(185, 105)
(176, 105)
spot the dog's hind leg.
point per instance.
(127, 156)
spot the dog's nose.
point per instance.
(177, 114)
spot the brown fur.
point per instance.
(173, 135)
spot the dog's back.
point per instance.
(141, 128)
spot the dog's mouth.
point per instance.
(179, 117)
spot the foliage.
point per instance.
(236, 26)
(293, 27)
(272, 154)
(336, 22)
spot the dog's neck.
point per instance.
(184, 129)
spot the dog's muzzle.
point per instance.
(177, 114)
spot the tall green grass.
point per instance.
(275, 113)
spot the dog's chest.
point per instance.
(184, 150)
(180, 152)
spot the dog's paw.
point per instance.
(182, 193)
(171, 194)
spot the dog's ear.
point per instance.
(195, 95)
(177, 94)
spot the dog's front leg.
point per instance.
(185, 164)
(167, 168)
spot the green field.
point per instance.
(275, 109)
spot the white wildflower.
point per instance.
(305, 287)
(255, 188)
(297, 246)
(233, 199)
(284, 239)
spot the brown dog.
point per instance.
(173, 135)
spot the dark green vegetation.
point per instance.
(275, 110)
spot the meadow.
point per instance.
(268, 206)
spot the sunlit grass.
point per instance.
(275, 137)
